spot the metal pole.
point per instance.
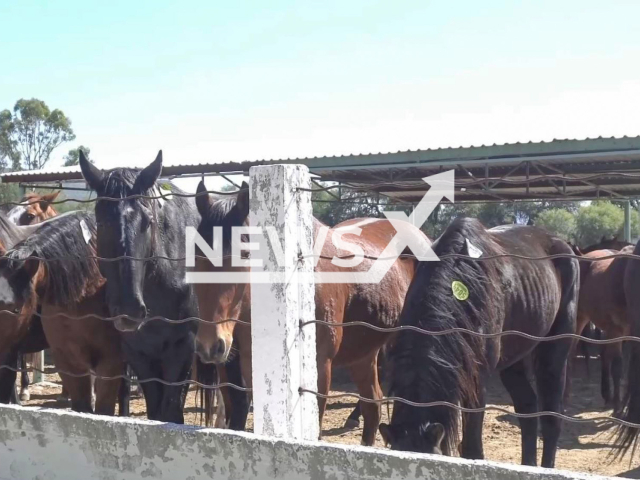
(627, 221)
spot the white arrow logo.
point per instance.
(407, 236)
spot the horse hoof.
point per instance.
(351, 423)
(25, 396)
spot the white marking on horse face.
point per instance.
(7, 295)
(15, 213)
(125, 215)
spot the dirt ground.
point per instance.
(583, 447)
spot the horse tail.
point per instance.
(627, 436)
(206, 376)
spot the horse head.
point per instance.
(220, 302)
(126, 228)
(34, 208)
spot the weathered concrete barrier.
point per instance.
(41, 444)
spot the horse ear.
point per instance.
(92, 174)
(148, 176)
(242, 201)
(433, 433)
(46, 200)
(203, 200)
(386, 431)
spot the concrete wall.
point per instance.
(39, 444)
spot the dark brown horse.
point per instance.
(67, 283)
(602, 302)
(606, 244)
(354, 347)
(491, 296)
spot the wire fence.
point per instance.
(351, 323)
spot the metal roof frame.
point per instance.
(558, 170)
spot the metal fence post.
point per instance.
(627, 221)
(284, 355)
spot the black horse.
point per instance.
(491, 296)
(149, 229)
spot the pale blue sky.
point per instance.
(246, 80)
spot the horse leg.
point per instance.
(106, 391)
(324, 384)
(8, 379)
(221, 420)
(354, 418)
(551, 360)
(616, 373)
(239, 373)
(79, 389)
(25, 396)
(605, 381)
(471, 446)
(239, 400)
(516, 381)
(124, 394)
(365, 376)
(152, 390)
(177, 361)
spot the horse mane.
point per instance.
(10, 233)
(69, 272)
(428, 368)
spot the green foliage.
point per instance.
(602, 219)
(559, 222)
(9, 192)
(328, 209)
(597, 220)
(73, 157)
(33, 132)
(8, 155)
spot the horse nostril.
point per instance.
(221, 347)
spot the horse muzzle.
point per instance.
(218, 353)
(131, 318)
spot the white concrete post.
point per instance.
(284, 355)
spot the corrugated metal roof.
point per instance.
(567, 157)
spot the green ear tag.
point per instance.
(460, 290)
(165, 186)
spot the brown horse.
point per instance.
(34, 208)
(354, 347)
(603, 303)
(67, 284)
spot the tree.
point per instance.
(353, 204)
(35, 131)
(73, 157)
(559, 222)
(601, 219)
(7, 151)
